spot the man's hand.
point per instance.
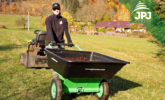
(70, 44)
(53, 43)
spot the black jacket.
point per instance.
(56, 26)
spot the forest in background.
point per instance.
(94, 10)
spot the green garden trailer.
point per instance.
(81, 72)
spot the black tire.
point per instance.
(58, 89)
(105, 93)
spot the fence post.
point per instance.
(28, 21)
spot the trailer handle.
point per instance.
(54, 59)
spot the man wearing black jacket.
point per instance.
(56, 25)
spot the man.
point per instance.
(56, 25)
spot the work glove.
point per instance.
(70, 44)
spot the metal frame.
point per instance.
(79, 85)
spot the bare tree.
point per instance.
(95, 12)
(71, 5)
(21, 21)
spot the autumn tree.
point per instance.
(68, 16)
(159, 8)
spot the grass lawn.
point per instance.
(143, 79)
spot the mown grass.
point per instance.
(143, 79)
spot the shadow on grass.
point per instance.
(4, 60)
(9, 47)
(160, 53)
(154, 41)
(26, 28)
(117, 84)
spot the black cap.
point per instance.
(56, 6)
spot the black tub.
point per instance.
(83, 64)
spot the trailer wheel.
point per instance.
(56, 89)
(104, 91)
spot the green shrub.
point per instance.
(110, 29)
(103, 29)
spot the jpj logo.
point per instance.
(143, 15)
(141, 12)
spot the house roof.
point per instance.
(113, 24)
